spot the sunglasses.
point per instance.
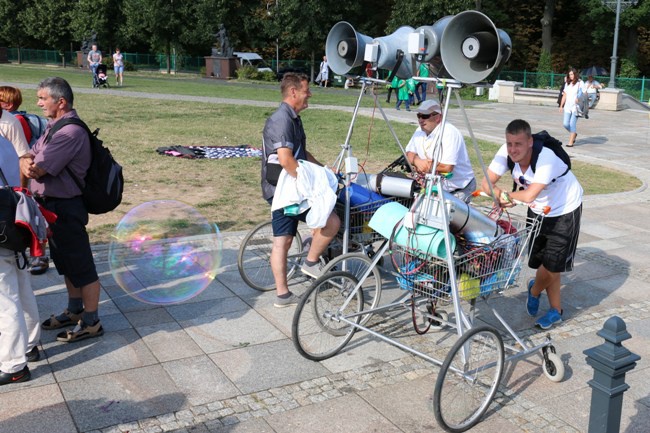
(426, 116)
(523, 181)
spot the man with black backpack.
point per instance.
(542, 179)
(55, 164)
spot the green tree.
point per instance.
(12, 32)
(306, 23)
(101, 16)
(159, 22)
(47, 22)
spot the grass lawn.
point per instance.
(227, 191)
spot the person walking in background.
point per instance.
(393, 86)
(285, 143)
(551, 184)
(569, 104)
(559, 96)
(94, 59)
(47, 165)
(403, 95)
(324, 72)
(421, 87)
(19, 328)
(118, 66)
(412, 85)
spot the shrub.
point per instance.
(251, 73)
(246, 73)
(628, 68)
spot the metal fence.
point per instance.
(636, 87)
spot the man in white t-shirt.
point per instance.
(444, 143)
(550, 184)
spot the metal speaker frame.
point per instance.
(472, 48)
(345, 47)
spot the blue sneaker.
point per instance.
(532, 303)
(549, 319)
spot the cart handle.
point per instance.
(545, 210)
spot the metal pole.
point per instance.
(612, 71)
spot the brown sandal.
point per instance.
(54, 323)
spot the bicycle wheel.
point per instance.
(357, 264)
(316, 331)
(468, 379)
(253, 259)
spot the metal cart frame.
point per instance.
(333, 309)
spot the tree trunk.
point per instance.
(169, 58)
(313, 63)
(547, 25)
(477, 5)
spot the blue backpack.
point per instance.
(36, 124)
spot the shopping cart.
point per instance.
(454, 278)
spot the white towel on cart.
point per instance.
(314, 187)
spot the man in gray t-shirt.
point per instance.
(284, 144)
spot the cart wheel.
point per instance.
(317, 331)
(253, 259)
(357, 264)
(468, 379)
(437, 325)
(553, 366)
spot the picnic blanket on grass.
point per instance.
(211, 152)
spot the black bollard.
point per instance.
(610, 362)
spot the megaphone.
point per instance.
(472, 48)
(345, 47)
(432, 39)
(388, 47)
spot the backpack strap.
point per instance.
(60, 124)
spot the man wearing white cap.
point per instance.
(447, 144)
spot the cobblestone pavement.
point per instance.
(224, 362)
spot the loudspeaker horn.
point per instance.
(472, 48)
(345, 47)
(432, 38)
(389, 46)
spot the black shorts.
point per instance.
(69, 244)
(555, 246)
(286, 225)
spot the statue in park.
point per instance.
(87, 43)
(223, 48)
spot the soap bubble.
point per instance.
(164, 252)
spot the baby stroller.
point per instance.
(100, 79)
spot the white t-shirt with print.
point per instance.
(563, 196)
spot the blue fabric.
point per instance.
(570, 121)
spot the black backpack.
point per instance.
(540, 140)
(12, 236)
(104, 179)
